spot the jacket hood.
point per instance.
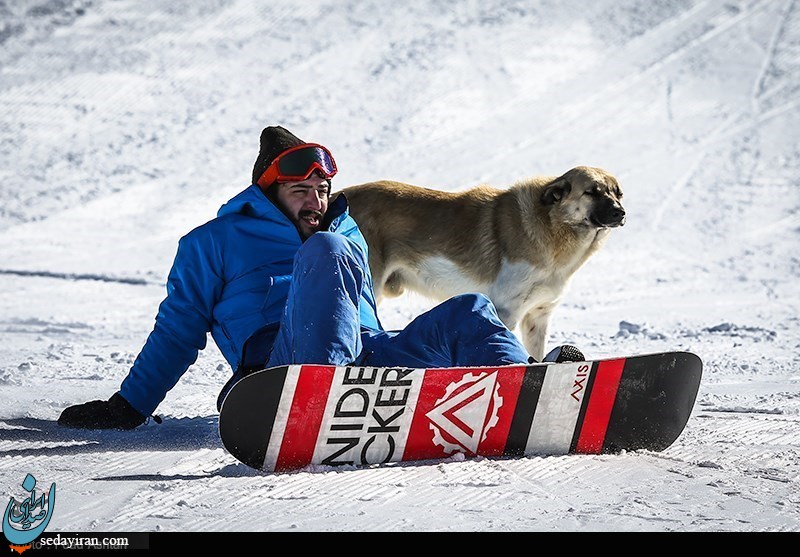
(251, 202)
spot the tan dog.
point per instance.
(519, 246)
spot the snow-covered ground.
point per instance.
(125, 123)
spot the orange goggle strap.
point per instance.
(297, 163)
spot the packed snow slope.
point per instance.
(126, 123)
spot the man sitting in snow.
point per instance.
(281, 277)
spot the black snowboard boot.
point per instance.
(564, 353)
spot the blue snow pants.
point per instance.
(321, 323)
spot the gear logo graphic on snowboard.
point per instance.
(462, 418)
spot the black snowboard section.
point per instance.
(249, 415)
(654, 401)
(526, 408)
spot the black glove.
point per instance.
(114, 413)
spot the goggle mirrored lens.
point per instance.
(298, 163)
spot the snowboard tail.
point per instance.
(288, 417)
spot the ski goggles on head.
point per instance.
(297, 164)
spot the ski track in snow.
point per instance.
(73, 276)
(125, 124)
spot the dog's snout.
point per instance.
(608, 215)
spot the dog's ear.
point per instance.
(556, 191)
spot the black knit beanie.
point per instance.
(274, 141)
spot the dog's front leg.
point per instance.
(533, 330)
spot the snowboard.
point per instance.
(289, 417)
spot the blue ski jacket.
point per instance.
(231, 278)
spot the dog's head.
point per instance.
(586, 196)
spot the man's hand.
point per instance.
(114, 413)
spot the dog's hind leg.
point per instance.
(378, 272)
(394, 284)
